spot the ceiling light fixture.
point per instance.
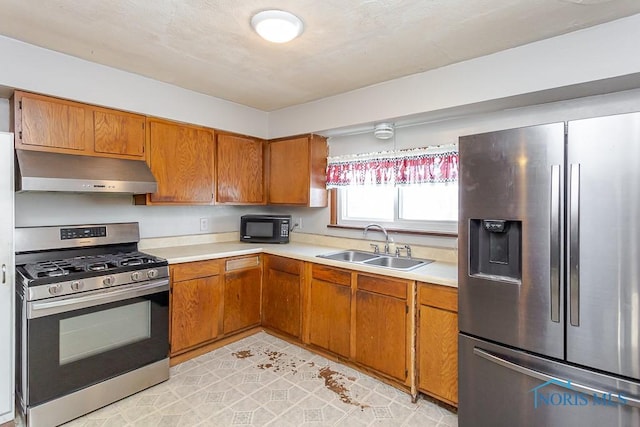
(383, 131)
(277, 26)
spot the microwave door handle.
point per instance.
(46, 308)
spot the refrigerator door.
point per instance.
(510, 235)
(603, 233)
(504, 387)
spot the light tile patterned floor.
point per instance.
(264, 381)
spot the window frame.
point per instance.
(426, 227)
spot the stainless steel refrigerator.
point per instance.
(549, 275)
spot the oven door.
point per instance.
(77, 341)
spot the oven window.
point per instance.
(260, 229)
(89, 334)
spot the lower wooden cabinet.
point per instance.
(242, 284)
(381, 328)
(330, 309)
(281, 295)
(438, 342)
(196, 299)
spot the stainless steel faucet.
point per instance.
(387, 239)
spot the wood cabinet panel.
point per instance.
(195, 315)
(241, 299)
(333, 275)
(381, 333)
(297, 171)
(289, 171)
(195, 270)
(330, 316)
(52, 124)
(240, 171)
(383, 285)
(118, 133)
(281, 295)
(438, 342)
(181, 158)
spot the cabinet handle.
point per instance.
(4, 273)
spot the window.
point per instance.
(424, 207)
(406, 189)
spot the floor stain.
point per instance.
(243, 354)
(333, 381)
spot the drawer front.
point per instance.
(195, 270)
(383, 286)
(443, 297)
(242, 263)
(287, 265)
(331, 275)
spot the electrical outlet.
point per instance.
(204, 224)
(299, 223)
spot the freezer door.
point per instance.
(603, 273)
(510, 235)
(503, 387)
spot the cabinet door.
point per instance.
(241, 299)
(53, 124)
(330, 310)
(195, 312)
(438, 342)
(240, 176)
(381, 333)
(289, 171)
(181, 159)
(119, 133)
(281, 295)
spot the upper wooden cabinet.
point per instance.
(240, 170)
(297, 171)
(181, 158)
(45, 123)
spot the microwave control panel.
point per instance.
(284, 228)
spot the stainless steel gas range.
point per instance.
(92, 315)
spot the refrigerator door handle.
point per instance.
(623, 400)
(555, 244)
(574, 245)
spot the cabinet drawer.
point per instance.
(195, 270)
(383, 286)
(332, 275)
(443, 297)
(287, 265)
(242, 263)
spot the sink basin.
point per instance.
(376, 260)
(397, 263)
(350, 256)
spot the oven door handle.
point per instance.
(69, 303)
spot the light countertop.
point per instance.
(440, 273)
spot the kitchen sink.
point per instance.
(350, 256)
(376, 260)
(397, 262)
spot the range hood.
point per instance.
(43, 171)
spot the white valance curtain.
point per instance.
(399, 167)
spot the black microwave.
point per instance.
(265, 228)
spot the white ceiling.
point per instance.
(208, 45)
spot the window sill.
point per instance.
(397, 230)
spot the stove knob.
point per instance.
(152, 273)
(77, 285)
(108, 281)
(135, 275)
(55, 289)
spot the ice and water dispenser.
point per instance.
(495, 249)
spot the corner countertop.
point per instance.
(440, 273)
